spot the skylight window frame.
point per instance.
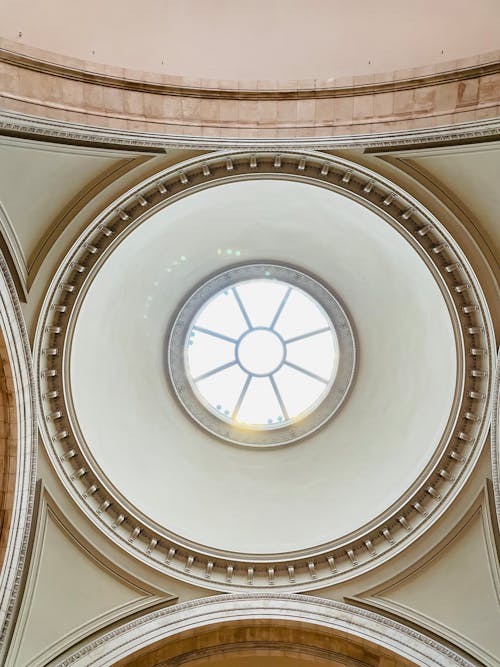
(221, 425)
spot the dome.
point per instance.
(402, 331)
(281, 42)
(249, 315)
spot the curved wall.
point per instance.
(262, 39)
(74, 94)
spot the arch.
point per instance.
(307, 613)
(17, 448)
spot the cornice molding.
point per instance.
(395, 529)
(336, 617)
(239, 92)
(24, 125)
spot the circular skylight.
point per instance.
(261, 355)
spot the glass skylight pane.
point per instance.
(221, 390)
(254, 355)
(222, 314)
(300, 392)
(207, 351)
(260, 405)
(315, 353)
(261, 353)
(301, 314)
(262, 299)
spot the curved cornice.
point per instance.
(367, 110)
(391, 532)
(23, 125)
(240, 90)
(19, 354)
(336, 617)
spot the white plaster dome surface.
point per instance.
(243, 500)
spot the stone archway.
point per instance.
(17, 448)
(300, 626)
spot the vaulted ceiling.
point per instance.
(131, 535)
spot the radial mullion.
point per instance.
(280, 307)
(242, 308)
(241, 397)
(215, 370)
(279, 397)
(215, 334)
(307, 335)
(306, 372)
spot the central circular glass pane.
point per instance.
(260, 352)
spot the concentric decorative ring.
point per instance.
(430, 494)
(224, 329)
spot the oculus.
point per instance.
(261, 355)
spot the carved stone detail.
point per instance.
(287, 608)
(495, 439)
(307, 569)
(29, 126)
(22, 375)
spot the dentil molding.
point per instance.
(392, 531)
(34, 127)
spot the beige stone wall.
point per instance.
(72, 91)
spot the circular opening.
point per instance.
(255, 349)
(261, 354)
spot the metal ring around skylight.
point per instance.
(261, 355)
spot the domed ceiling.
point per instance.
(264, 39)
(260, 502)
(380, 469)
